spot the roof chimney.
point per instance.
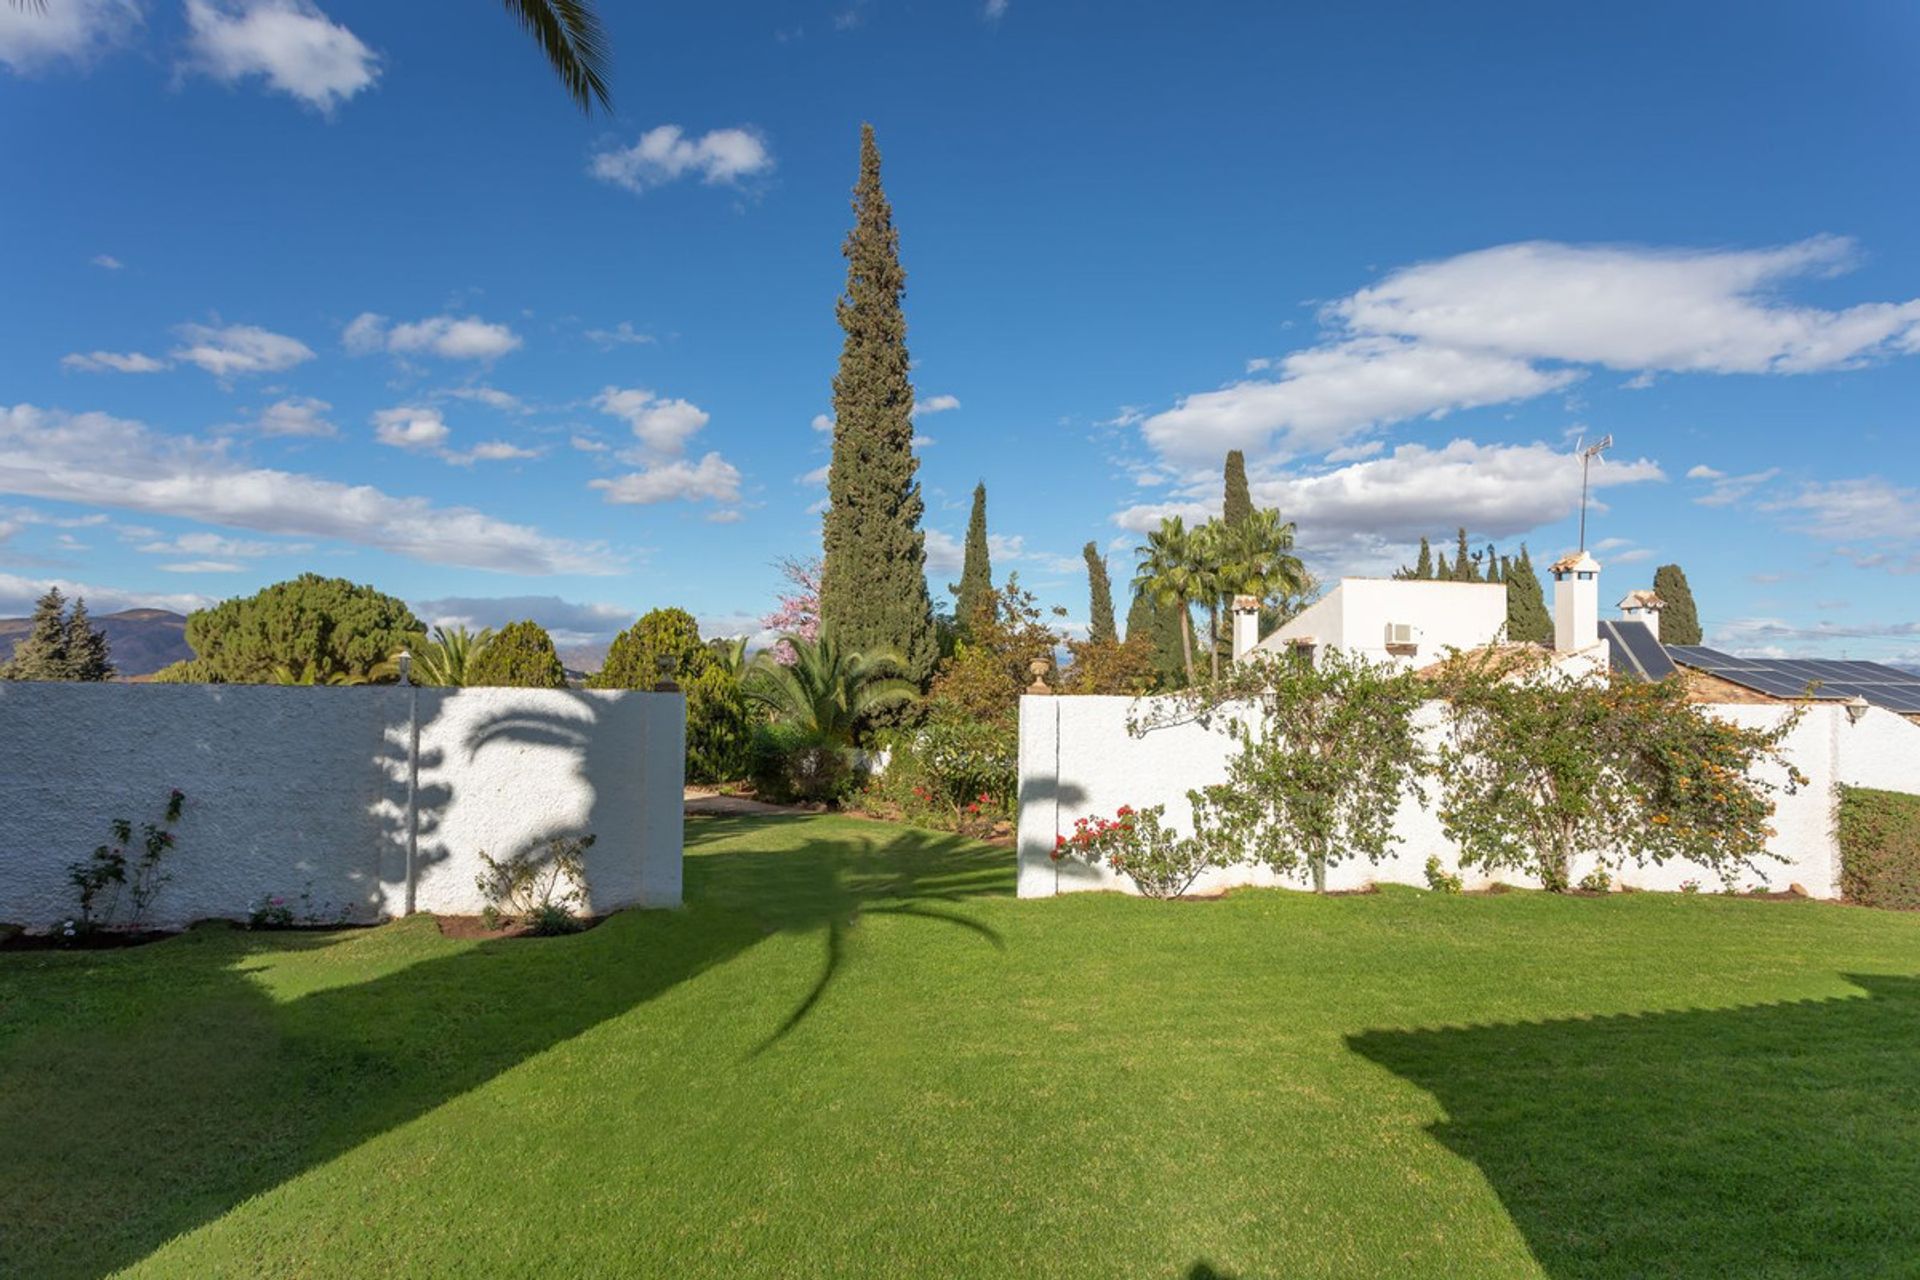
(1246, 625)
(1576, 602)
(1643, 607)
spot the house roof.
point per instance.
(1577, 561)
(1641, 600)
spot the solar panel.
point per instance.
(1827, 679)
(1642, 653)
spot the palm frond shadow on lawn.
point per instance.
(129, 1124)
(1762, 1140)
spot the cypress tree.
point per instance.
(1162, 627)
(1680, 619)
(89, 656)
(1527, 618)
(873, 590)
(43, 654)
(975, 591)
(1463, 562)
(1493, 564)
(1423, 567)
(1239, 499)
(1442, 571)
(1100, 590)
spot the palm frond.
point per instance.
(571, 36)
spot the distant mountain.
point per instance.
(142, 640)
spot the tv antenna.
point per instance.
(1587, 457)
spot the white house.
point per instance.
(1413, 622)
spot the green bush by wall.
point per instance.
(1879, 847)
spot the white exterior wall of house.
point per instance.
(292, 789)
(1077, 759)
(1356, 614)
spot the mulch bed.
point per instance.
(475, 928)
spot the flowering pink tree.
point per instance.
(797, 612)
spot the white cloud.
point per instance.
(945, 553)
(568, 622)
(822, 422)
(105, 461)
(1704, 472)
(449, 337)
(295, 416)
(1326, 394)
(112, 362)
(291, 44)
(239, 348)
(621, 335)
(17, 596)
(712, 478)
(1512, 322)
(1724, 490)
(817, 476)
(107, 261)
(411, 427)
(202, 566)
(935, 404)
(994, 10)
(587, 444)
(1361, 516)
(664, 154)
(64, 30)
(492, 451)
(492, 397)
(1870, 508)
(1634, 308)
(662, 426)
(219, 545)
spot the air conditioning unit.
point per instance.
(1399, 634)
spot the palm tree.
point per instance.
(1256, 557)
(1168, 574)
(567, 31)
(826, 690)
(449, 655)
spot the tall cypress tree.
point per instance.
(1423, 567)
(976, 572)
(1463, 562)
(43, 654)
(1100, 590)
(873, 589)
(1527, 618)
(1680, 619)
(1162, 627)
(1493, 564)
(89, 657)
(1239, 499)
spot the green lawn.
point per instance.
(855, 1053)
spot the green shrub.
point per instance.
(789, 763)
(520, 656)
(719, 726)
(1441, 880)
(954, 773)
(1596, 881)
(1879, 847)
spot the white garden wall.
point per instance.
(1077, 759)
(292, 789)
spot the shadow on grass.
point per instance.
(1769, 1140)
(145, 1093)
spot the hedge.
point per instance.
(1879, 847)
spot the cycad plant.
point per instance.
(446, 659)
(827, 689)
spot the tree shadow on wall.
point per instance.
(158, 1088)
(1768, 1140)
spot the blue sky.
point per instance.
(352, 287)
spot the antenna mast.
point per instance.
(1587, 455)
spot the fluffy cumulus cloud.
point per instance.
(1358, 513)
(34, 37)
(666, 154)
(106, 461)
(409, 427)
(712, 478)
(449, 337)
(935, 404)
(1510, 323)
(111, 362)
(295, 416)
(290, 44)
(236, 349)
(662, 429)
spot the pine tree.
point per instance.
(1239, 500)
(1680, 618)
(1528, 621)
(975, 591)
(873, 591)
(89, 656)
(324, 630)
(43, 654)
(1100, 592)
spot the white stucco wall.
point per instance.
(1355, 615)
(1077, 760)
(292, 789)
